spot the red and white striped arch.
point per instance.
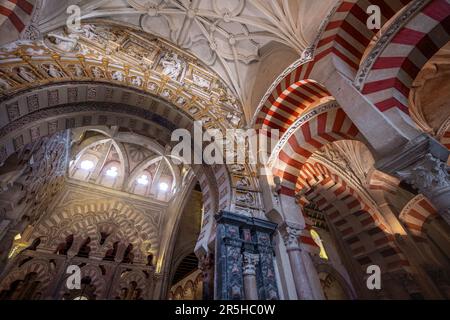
(345, 37)
(380, 181)
(389, 81)
(15, 14)
(359, 225)
(295, 150)
(292, 101)
(416, 214)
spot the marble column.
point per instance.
(291, 233)
(313, 276)
(423, 164)
(249, 274)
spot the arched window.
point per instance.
(142, 184)
(109, 177)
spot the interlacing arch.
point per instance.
(94, 273)
(359, 224)
(132, 280)
(40, 267)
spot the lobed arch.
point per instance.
(135, 279)
(94, 273)
(38, 266)
(87, 218)
(145, 122)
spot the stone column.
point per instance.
(291, 233)
(313, 276)
(267, 285)
(249, 274)
(423, 164)
(244, 258)
(229, 284)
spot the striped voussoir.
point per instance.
(281, 113)
(359, 225)
(15, 14)
(416, 214)
(380, 181)
(326, 128)
(345, 37)
(389, 82)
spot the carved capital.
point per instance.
(291, 232)
(422, 163)
(428, 175)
